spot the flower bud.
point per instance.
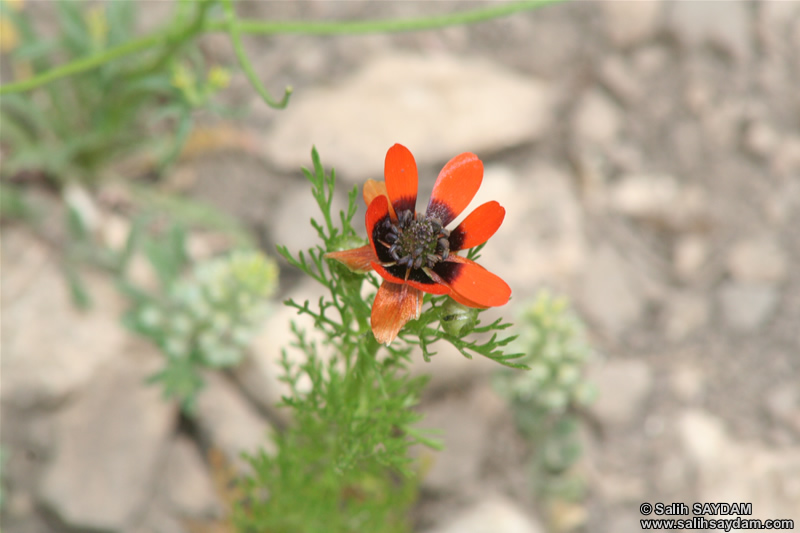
(457, 319)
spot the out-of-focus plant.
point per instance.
(547, 399)
(79, 128)
(204, 321)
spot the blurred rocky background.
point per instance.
(648, 156)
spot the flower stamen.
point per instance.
(414, 241)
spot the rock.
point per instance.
(491, 514)
(725, 24)
(685, 313)
(229, 423)
(783, 405)
(674, 474)
(619, 488)
(690, 255)
(688, 383)
(290, 221)
(50, 356)
(564, 515)
(746, 306)
(618, 76)
(781, 205)
(607, 293)
(660, 200)
(631, 23)
(597, 119)
(552, 247)
(774, 20)
(703, 436)
(757, 260)
(623, 388)
(731, 471)
(786, 160)
(760, 139)
(188, 486)
(159, 520)
(110, 441)
(462, 424)
(651, 59)
(440, 106)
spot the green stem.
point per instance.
(233, 27)
(177, 40)
(87, 63)
(268, 28)
(383, 26)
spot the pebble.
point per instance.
(624, 386)
(724, 23)
(786, 160)
(686, 312)
(441, 106)
(619, 77)
(660, 200)
(761, 139)
(783, 404)
(607, 294)
(597, 119)
(690, 254)
(490, 513)
(747, 306)
(542, 199)
(757, 260)
(727, 470)
(631, 23)
(688, 383)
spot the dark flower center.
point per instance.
(414, 240)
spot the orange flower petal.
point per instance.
(463, 301)
(455, 187)
(472, 284)
(377, 212)
(394, 306)
(357, 259)
(400, 172)
(478, 227)
(373, 189)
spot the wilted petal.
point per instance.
(357, 259)
(394, 306)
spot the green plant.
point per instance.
(204, 321)
(546, 400)
(79, 128)
(343, 464)
(175, 35)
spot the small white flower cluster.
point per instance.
(211, 317)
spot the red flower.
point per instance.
(414, 253)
